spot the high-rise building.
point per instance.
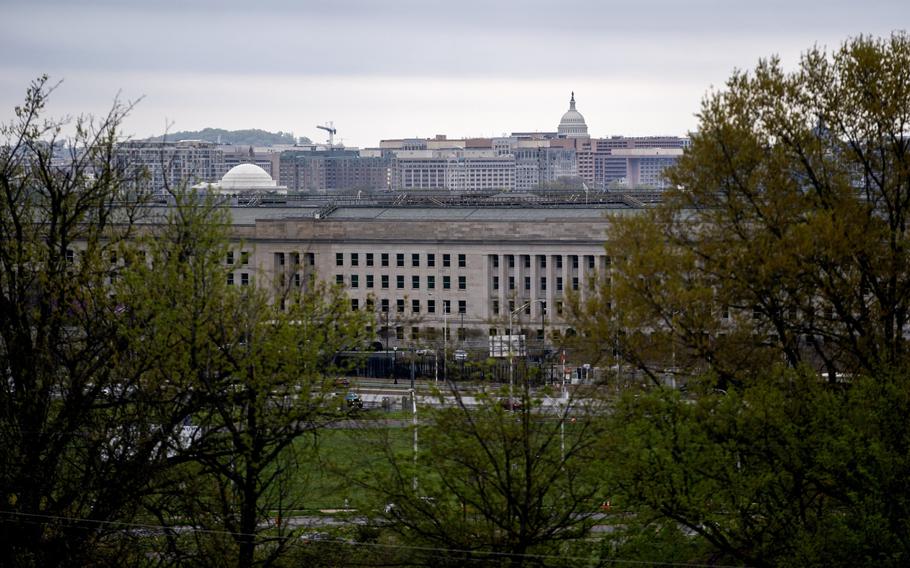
(326, 170)
(155, 166)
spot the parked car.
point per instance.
(510, 405)
(353, 400)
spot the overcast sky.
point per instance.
(400, 68)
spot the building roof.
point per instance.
(245, 177)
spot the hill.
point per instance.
(252, 137)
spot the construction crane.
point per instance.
(330, 128)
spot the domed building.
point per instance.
(572, 124)
(246, 179)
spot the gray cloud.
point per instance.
(407, 67)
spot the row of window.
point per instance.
(495, 307)
(433, 333)
(426, 333)
(384, 258)
(370, 281)
(542, 260)
(543, 283)
(416, 305)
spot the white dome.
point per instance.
(572, 124)
(246, 177)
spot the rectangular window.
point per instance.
(543, 283)
(462, 261)
(384, 259)
(369, 280)
(244, 258)
(462, 282)
(511, 261)
(446, 282)
(415, 282)
(369, 304)
(297, 280)
(369, 259)
(591, 261)
(384, 305)
(446, 260)
(559, 262)
(355, 304)
(244, 279)
(415, 333)
(311, 258)
(431, 260)
(559, 283)
(399, 259)
(575, 283)
(228, 260)
(496, 282)
(574, 258)
(462, 306)
(511, 282)
(431, 282)
(415, 306)
(355, 281)
(527, 260)
(399, 333)
(543, 262)
(415, 259)
(384, 281)
(446, 306)
(339, 259)
(495, 307)
(399, 304)
(230, 279)
(399, 281)
(559, 308)
(339, 279)
(495, 261)
(355, 259)
(431, 306)
(527, 282)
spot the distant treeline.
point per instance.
(252, 137)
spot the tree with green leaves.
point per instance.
(774, 278)
(82, 431)
(141, 394)
(490, 484)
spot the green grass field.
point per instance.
(324, 479)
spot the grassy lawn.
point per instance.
(323, 480)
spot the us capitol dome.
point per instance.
(572, 124)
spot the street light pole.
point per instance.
(512, 314)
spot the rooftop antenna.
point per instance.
(330, 128)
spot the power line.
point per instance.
(38, 518)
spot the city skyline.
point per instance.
(406, 68)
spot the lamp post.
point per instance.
(512, 314)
